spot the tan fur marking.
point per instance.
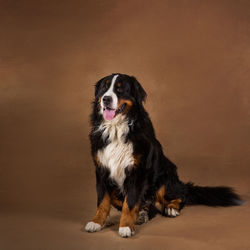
(128, 217)
(159, 206)
(160, 195)
(102, 211)
(114, 201)
(174, 204)
(137, 159)
(119, 84)
(96, 160)
(160, 201)
(128, 106)
(128, 102)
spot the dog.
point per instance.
(132, 172)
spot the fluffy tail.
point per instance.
(212, 196)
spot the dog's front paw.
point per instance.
(93, 227)
(125, 232)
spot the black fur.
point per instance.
(154, 168)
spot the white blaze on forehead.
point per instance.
(110, 92)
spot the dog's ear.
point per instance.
(139, 93)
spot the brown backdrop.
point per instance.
(193, 59)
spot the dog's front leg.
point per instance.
(103, 207)
(97, 222)
(133, 188)
(128, 218)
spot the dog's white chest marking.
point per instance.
(118, 154)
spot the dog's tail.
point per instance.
(212, 196)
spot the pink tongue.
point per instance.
(109, 114)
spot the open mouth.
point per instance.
(110, 114)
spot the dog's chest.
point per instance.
(118, 154)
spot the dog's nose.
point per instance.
(107, 99)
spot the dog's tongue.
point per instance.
(109, 114)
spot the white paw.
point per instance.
(92, 227)
(171, 212)
(125, 232)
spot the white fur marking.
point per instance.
(93, 227)
(125, 232)
(110, 92)
(171, 212)
(117, 155)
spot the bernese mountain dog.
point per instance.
(132, 172)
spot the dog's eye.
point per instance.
(119, 90)
(107, 83)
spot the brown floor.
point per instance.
(193, 59)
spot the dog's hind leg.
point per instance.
(169, 208)
(142, 217)
(172, 209)
(146, 213)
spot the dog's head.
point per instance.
(118, 94)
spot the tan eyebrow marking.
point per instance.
(108, 81)
(119, 84)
